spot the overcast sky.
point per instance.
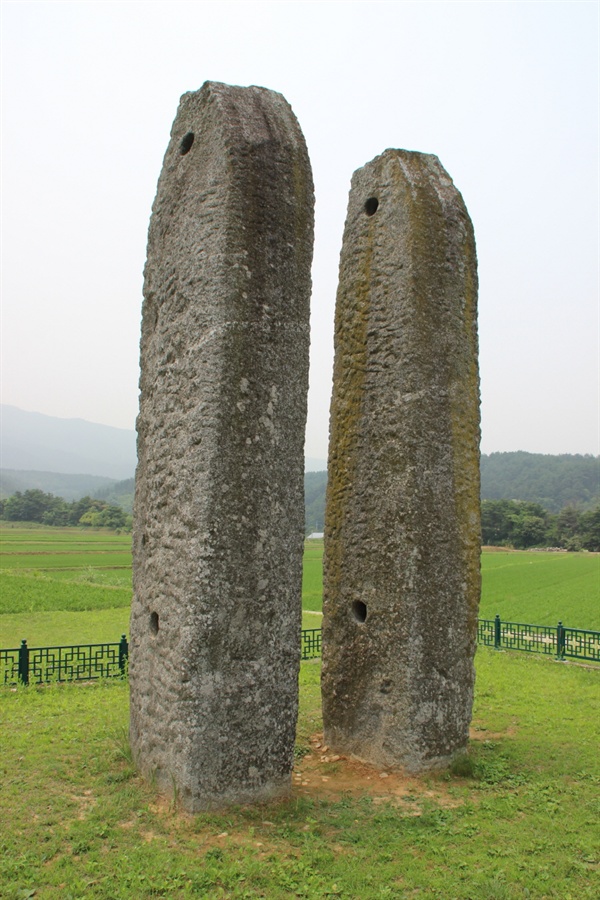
(505, 93)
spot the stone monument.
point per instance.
(402, 529)
(218, 517)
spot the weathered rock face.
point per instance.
(402, 531)
(218, 518)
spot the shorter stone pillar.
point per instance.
(402, 529)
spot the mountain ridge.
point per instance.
(35, 442)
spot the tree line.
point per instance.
(505, 523)
(36, 506)
(520, 524)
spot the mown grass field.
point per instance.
(515, 819)
(73, 585)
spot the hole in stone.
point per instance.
(359, 611)
(371, 206)
(186, 143)
(154, 622)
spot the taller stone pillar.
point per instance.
(402, 528)
(218, 518)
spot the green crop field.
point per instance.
(312, 579)
(69, 585)
(519, 586)
(74, 552)
(541, 588)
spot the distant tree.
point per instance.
(36, 506)
(589, 526)
(79, 507)
(31, 506)
(105, 516)
(496, 523)
(529, 531)
(515, 523)
(566, 529)
(113, 517)
(58, 514)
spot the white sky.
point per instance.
(505, 93)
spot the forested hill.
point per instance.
(552, 481)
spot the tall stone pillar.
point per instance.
(218, 518)
(402, 529)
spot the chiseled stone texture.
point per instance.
(218, 518)
(402, 530)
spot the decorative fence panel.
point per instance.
(580, 644)
(79, 662)
(311, 643)
(560, 641)
(87, 662)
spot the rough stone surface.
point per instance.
(218, 518)
(402, 530)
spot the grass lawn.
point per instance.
(520, 822)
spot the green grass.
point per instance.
(52, 629)
(96, 626)
(78, 822)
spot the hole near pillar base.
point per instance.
(154, 622)
(359, 611)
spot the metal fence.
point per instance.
(87, 662)
(79, 662)
(559, 641)
(311, 643)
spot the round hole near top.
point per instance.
(154, 622)
(186, 143)
(371, 206)
(359, 611)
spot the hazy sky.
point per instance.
(505, 93)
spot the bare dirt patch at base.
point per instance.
(475, 734)
(325, 774)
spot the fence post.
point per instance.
(560, 641)
(123, 653)
(24, 663)
(497, 633)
